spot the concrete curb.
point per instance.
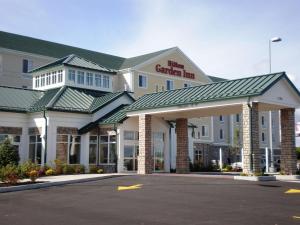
(287, 177)
(55, 183)
(255, 178)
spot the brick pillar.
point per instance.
(145, 162)
(182, 157)
(251, 138)
(288, 159)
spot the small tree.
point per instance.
(8, 154)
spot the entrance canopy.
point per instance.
(273, 92)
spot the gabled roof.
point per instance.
(65, 99)
(133, 61)
(244, 87)
(56, 50)
(216, 79)
(75, 61)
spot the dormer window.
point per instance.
(37, 81)
(71, 75)
(54, 78)
(98, 79)
(80, 77)
(48, 78)
(43, 80)
(106, 81)
(89, 79)
(60, 76)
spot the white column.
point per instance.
(267, 160)
(85, 148)
(221, 159)
(120, 149)
(242, 157)
(272, 169)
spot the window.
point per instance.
(27, 65)
(221, 118)
(237, 118)
(43, 80)
(221, 134)
(187, 85)
(93, 149)
(198, 157)
(80, 77)
(98, 81)
(106, 81)
(263, 137)
(262, 120)
(60, 76)
(37, 81)
(14, 139)
(48, 79)
(71, 75)
(35, 148)
(170, 85)
(130, 157)
(89, 79)
(131, 135)
(142, 81)
(204, 131)
(54, 78)
(70, 144)
(108, 149)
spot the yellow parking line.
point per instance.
(132, 187)
(293, 191)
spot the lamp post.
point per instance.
(272, 168)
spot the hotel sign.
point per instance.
(174, 69)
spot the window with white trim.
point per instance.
(42, 80)
(131, 135)
(48, 78)
(107, 149)
(71, 75)
(35, 148)
(263, 137)
(71, 144)
(105, 81)
(198, 157)
(221, 118)
(89, 79)
(98, 80)
(263, 121)
(37, 81)
(54, 78)
(80, 77)
(204, 131)
(170, 85)
(237, 118)
(142, 81)
(60, 76)
(221, 134)
(14, 139)
(27, 65)
(187, 85)
(93, 149)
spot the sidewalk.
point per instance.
(59, 180)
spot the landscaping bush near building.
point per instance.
(227, 168)
(96, 169)
(10, 174)
(26, 167)
(200, 167)
(8, 154)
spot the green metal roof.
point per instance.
(18, 99)
(75, 61)
(66, 99)
(216, 79)
(133, 61)
(59, 51)
(244, 87)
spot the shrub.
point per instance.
(33, 175)
(227, 168)
(25, 168)
(10, 174)
(100, 171)
(93, 169)
(79, 169)
(50, 172)
(68, 169)
(243, 174)
(8, 154)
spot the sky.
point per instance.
(225, 38)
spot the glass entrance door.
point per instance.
(158, 151)
(130, 157)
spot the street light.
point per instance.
(272, 168)
(274, 39)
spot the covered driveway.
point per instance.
(247, 96)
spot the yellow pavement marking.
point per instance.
(133, 187)
(296, 217)
(293, 191)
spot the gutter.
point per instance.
(250, 134)
(46, 136)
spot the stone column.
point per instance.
(145, 162)
(251, 139)
(288, 160)
(182, 157)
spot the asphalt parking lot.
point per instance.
(159, 200)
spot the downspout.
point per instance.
(250, 135)
(46, 136)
